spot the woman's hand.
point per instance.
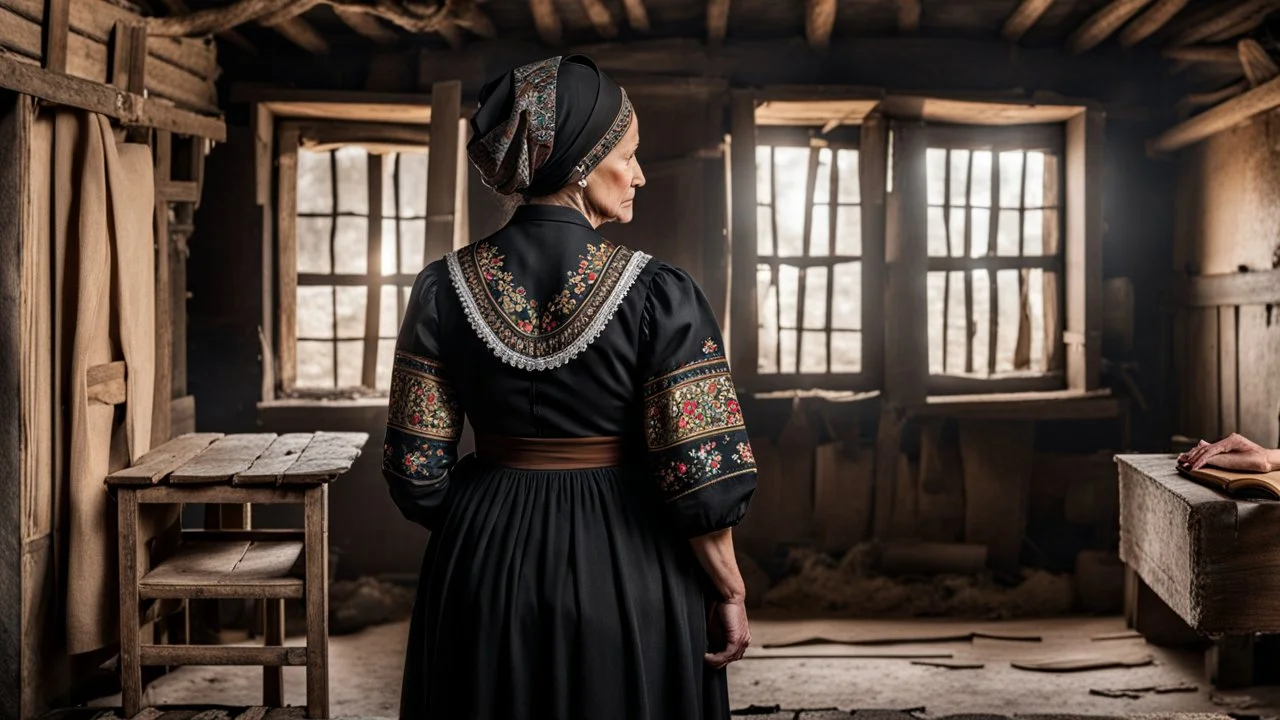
(733, 616)
(1234, 452)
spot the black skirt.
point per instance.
(559, 595)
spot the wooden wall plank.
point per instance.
(843, 487)
(997, 458)
(906, 264)
(873, 167)
(57, 28)
(1259, 381)
(1228, 398)
(16, 115)
(1084, 159)
(160, 418)
(940, 503)
(286, 212)
(1202, 344)
(1179, 383)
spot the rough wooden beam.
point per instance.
(908, 15)
(1021, 20)
(819, 20)
(1257, 63)
(1244, 27)
(411, 15)
(128, 108)
(179, 7)
(547, 20)
(637, 15)
(1193, 101)
(601, 18)
(1224, 55)
(301, 33)
(367, 26)
(1222, 117)
(1220, 21)
(717, 21)
(1103, 23)
(1151, 21)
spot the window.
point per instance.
(809, 253)
(348, 313)
(994, 252)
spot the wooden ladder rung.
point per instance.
(222, 655)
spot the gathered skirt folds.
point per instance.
(559, 595)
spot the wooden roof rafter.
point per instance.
(1023, 17)
(601, 18)
(1151, 21)
(1103, 24)
(547, 20)
(717, 21)
(819, 21)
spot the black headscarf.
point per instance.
(546, 124)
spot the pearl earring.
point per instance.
(582, 182)
(582, 176)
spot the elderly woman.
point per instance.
(581, 562)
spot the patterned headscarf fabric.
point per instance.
(546, 124)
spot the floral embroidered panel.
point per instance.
(693, 426)
(424, 420)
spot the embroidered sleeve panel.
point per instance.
(694, 429)
(424, 420)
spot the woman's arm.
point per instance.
(715, 553)
(1234, 452)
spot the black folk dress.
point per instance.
(567, 594)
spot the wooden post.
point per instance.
(130, 631)
(1229, 662)
(286, 211)
(373, 303)
(317, 592)
(442, 170)
(743, 320)
(1083, 336)
(873, 168)
(160, 412)
(273, 630)
(15, 130)
(57, 30)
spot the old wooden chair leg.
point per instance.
(273, 632)
(317, 598)
(1130, 598)
(1228, 663)
(130, 630)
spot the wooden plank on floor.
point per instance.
(843, 488)
(328, 455)
(156, 465)
(997, 458)
(1259, 380)
(229, 456)
(272, 464)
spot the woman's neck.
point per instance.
(572, 200)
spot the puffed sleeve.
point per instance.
(697, 444)
(424, 420)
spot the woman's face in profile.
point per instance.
(611, 187)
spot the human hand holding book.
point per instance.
(1235, 465)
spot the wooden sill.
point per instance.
(831, 396)
(327, 403)
(1045, 405)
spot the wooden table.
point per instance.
(1213, 560)
(267, 565)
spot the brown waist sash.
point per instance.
(551, 453)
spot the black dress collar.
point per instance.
(550, 213)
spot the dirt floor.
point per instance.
(366, 668)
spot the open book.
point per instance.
(1237, 484)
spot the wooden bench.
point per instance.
(267, 565)
(1212, 560)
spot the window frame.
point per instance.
(290, 135)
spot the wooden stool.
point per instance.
(267, 565)
(1214, 561)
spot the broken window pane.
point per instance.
(314, 237)
(1011, 179)
(846, 352)
(959, 177)
(351, 246)
(350, 363)
(315, 311)
(820, 232)
(413, 184)
(813, 352)
(790, 167)
(935, 161)
(846, 305)
(815, 299)
(849, 231)
(822, 181)
(850, 181)
(315, 189)
(350, 302)
(980, 192)
(764, 230)
(315, 364)
(353, 179)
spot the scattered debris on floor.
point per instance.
(1081, 663)
(1234, 702)
(357, 604)
(1126, 635)
(821, 583)
(904, 639)
(849, 656)
(1138, 692)
(950, 664)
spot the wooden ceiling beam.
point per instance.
(178, 7)
(908, 16)
(1103, 23)
(717, 21)
(819, 21)
(1193, 101)
(1218, 118)
(367, 26)
(1223, 20)
(303, 34)
(637, 15)
(601, 18)
(1257, 63)
(1020, 21)
(547, 20)
(1224, 55)
(1150, 22)
(1244, 27)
